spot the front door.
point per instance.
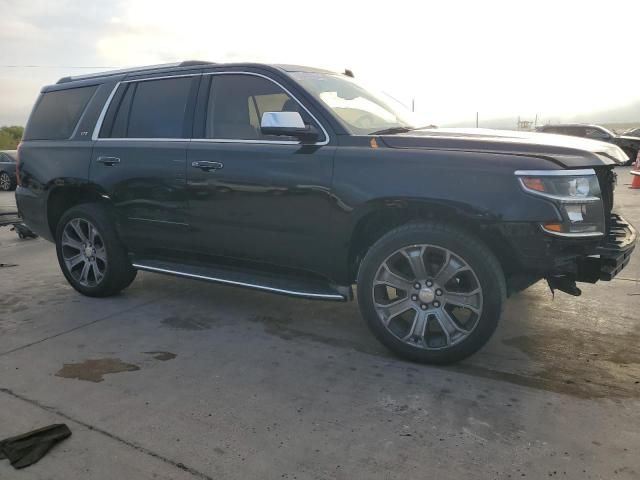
(252, 196)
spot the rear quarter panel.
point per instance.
(46, 165)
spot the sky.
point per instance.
(556, 59)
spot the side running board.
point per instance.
(296, 286)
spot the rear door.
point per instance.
(139, 160)
(270, 197)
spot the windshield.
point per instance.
(361, 111)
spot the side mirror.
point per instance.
(289, 124)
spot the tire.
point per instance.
(108, 269)
(419, 335)
(6, 184)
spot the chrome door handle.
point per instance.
(108, 161)
(207, 166)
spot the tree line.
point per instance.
(10, 137)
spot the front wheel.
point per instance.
(90, 254)
(431, 292)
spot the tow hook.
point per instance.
(564, 284)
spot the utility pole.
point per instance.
(477, 113)
(413, 104)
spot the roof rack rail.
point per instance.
(186, 63)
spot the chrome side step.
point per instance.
(302, 287)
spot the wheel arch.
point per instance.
(383, 216)
(67, 195)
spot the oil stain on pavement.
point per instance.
(93, 370)
(162, 356)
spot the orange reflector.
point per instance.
(553, 227)
(533, 184)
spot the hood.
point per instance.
(629, 137)
(568, 151)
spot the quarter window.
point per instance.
(57, 113)
(236, 104)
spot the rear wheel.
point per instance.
(431, 292)
(90, 254)
(5, 182)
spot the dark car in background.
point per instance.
(7, 170)
(302, 182)
(628, 143)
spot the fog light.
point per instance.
(576, 212)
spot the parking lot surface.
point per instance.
(178, 379)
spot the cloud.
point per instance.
(455, 58)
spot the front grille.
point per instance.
(607, 179)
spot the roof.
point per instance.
(178, 66)
(145, 69)
(572, 125)
(300, 68)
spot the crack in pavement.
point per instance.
(92, 322)
(110, 435)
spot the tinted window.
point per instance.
(57, 113)
(152, 109)
(596, 133)
(577, 131)
(119, 127)
(237, 102)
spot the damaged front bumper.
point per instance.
(612, 255)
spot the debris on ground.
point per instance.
(26, 449)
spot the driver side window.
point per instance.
(236, 104)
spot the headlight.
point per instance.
(577, 195)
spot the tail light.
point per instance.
(18, 180)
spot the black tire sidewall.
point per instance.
(119, 273)
(472, 251)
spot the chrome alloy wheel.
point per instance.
(5, 181)
(84, 252)
(427, 296)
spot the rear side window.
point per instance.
(57, 113)
(150, 109)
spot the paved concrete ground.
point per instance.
(216, 382)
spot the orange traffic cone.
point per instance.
(635, 173)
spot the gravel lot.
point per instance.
(177, 379)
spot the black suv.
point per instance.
(301, 182)
(629, 143)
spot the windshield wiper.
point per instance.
(392, 130)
